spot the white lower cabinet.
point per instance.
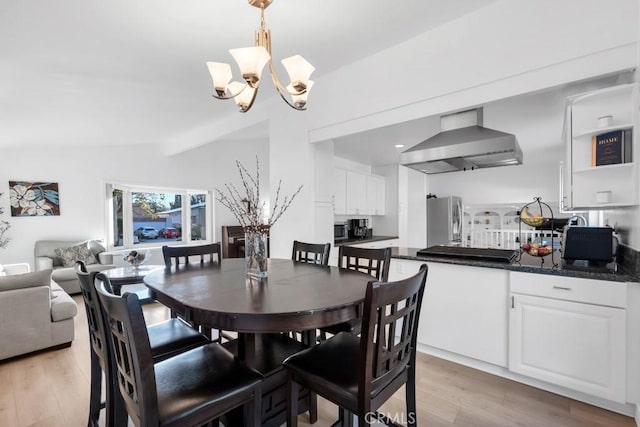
(565, 337)
(463, 310)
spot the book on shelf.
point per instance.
(611, 148)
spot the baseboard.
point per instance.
(627, 409)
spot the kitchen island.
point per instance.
(569, 330)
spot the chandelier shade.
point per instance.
(251, 62)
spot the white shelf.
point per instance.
(599, 131)
(605, 168)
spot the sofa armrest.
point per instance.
(43, 262)
(19, 268)
(105, 258)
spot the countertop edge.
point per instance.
(348, 242)
(612, 277)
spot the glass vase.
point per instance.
(255, 250)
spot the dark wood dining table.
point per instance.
(294, 297)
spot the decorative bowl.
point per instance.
(136, 258)
(535, 220)
(537, 249)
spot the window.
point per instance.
(157, 216)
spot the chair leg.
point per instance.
(410, 397)
(313, 407)
(117, 415)
(345, 418)
(292, 401)
(95, 394)
(254, 408)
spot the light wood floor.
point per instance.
(51, 389)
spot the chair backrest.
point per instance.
(312, 253)
(132, 353)
(96, 318)
(389, 330)
(174, 254)
(374, 262)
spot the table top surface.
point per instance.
(291, 292)
(130, 272)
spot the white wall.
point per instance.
(387, 224)
(508, 48)
(82, 173)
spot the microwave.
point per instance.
(340, 231)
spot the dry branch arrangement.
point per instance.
(248, 209)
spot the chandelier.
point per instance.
(251, 61)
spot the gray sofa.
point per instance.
(35, 313)
(46, 257)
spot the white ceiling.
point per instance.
(91, 72)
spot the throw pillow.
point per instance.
(2, 272)
(81, 252)
(26, 280)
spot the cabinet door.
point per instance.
(574, 345)
(464, 310)
(375, 195)
(372, 194)
(381, 198)
(339, 191)
(356, 193)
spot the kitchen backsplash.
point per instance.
(628, 261)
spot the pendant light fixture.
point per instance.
(251, 61)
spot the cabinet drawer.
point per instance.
(599, 292)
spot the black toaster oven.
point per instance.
(592, 244)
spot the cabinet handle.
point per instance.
(512, 302)
(562, 288)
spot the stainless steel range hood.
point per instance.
(463, 144)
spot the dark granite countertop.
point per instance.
(355, 241)
(527, 264)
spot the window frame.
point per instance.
(127, 214)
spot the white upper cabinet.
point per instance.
(589, 118)
(339, 191)
(357, 193)
(376, 195)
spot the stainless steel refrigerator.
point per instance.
(444, 221)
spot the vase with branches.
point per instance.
(4, 226)
(253, 214)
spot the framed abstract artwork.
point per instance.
(34, 198)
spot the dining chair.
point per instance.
(174, 254)
(192, 388)
(374, 262)
(359, 374)
(166, 339)
(312, 253)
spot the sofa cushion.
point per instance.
(26, 280)
(62, 305)
(80, 252)
(46, 248)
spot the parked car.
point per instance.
(146, 233)
(168, 233)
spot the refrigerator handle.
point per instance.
(458, 230)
